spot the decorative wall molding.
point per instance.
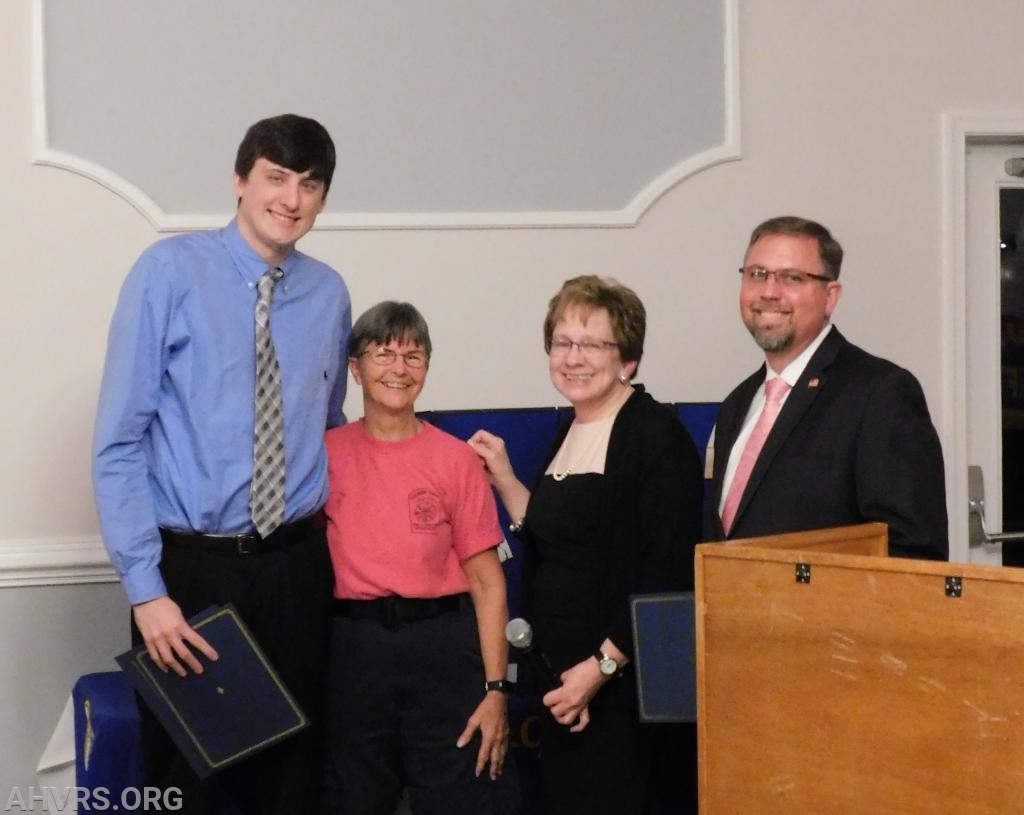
(691, 96)
(54, 562)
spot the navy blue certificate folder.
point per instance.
(665, 653)
(236, 707)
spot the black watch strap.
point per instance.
(502, 685)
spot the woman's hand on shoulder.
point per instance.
(491, 719)
(493, 454)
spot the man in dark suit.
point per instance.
(845, 437)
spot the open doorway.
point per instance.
(1011, 277)
(994, 339)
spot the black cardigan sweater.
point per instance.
(652, 522)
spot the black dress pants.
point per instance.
(400, 696)
(284, 596)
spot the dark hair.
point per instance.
(389, 321)
(625, 311)
(295, 142)
(829, 250)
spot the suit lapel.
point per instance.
(812, 382)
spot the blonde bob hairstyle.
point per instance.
(625, 311)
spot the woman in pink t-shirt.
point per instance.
(418, 655)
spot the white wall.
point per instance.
(51, 636)
(841, 106)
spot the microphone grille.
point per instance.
(519, 633)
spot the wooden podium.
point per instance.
(853, 683)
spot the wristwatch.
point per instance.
(502, 685)
(608, 666)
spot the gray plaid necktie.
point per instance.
(266, 498)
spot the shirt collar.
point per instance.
(792, 372)
(248, 262)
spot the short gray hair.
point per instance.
(389, 321)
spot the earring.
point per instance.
(623, 379)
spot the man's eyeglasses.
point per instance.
(386, 356)
(786, 277)
(561, 346)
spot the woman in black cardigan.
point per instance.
(617, 511)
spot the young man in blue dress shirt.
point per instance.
(173, 450)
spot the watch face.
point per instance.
(609, 666)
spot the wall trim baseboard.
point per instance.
(54, 562)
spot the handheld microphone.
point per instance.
(519, 634)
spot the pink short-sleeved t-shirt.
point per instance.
(402, 515)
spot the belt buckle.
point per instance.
(392, 616)
(245, 544)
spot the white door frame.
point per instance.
(957, 130)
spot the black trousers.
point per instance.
(400, 696)
(284, 596)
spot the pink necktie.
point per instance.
(774, 390)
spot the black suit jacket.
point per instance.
(853, 443)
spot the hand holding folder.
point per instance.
(234, 708)
(168, 636)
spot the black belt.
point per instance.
(248, 543)
(393, 610)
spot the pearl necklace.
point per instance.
(582, 455)
(594, 443)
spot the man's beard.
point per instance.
(771, 342)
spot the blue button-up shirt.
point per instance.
(174, 428)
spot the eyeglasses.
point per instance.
(561, 346)
(787, 277)
(386, 356)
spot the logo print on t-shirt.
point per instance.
(425, 511)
